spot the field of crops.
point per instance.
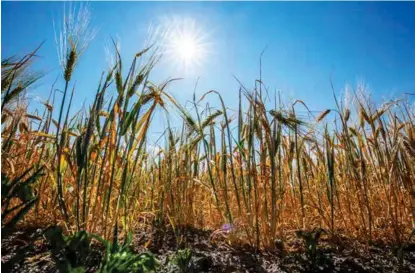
(254, 175)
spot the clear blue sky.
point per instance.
(306, 44)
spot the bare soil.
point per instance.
(209, 255)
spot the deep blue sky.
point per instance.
(306, 44)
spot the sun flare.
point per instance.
(186, 48)
(185, 43)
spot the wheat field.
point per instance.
(260, 172)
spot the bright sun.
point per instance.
(186, 48)
(185, 44)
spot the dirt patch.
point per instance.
(214, 255)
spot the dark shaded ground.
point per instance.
(215, 256)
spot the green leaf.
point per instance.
(25, 209)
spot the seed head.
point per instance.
(74, 38)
